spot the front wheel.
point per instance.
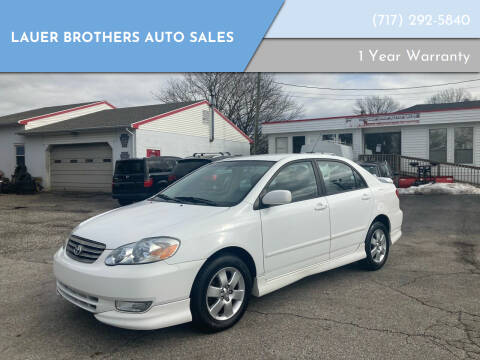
(377, 246)
(221, 293)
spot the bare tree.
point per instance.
(450, 96)
(375, 105)
(235, 97)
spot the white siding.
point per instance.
(185, 145)
(8, 139)
(190, 122)
(415, 142)
(66, 116)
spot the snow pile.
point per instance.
(441, 188)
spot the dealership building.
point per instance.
(444, 133)
(75, 147)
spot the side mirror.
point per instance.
(277, 197)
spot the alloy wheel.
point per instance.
(225, 293)
(378, 246)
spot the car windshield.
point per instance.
(223, 183)
(372, 169)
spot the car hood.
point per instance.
(141, 220)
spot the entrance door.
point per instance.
(383, 143)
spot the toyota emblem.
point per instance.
(78, 250)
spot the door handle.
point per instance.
(366, 197)
(321, 206)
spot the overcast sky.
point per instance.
(20, 92)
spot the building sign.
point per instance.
(382, 120)
(153, 152)
(124, 140)
(124, 155)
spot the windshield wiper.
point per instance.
(166, 198)
(196, 200)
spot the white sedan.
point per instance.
(235, 228)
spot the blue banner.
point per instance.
(131, 36)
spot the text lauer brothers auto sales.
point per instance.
(104, 37)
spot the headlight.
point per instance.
(144, 251)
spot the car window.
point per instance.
(161, 165)
(339, 177)
(223, 183)
(371, 168)
(299, 179)
(129, 167)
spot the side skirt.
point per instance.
(262, 286)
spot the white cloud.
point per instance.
(20, 92)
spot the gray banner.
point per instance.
(367, 55)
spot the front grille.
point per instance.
(84, 250)
(82, 300)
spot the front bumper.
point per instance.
(95, 287)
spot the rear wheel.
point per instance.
(377, 246)
(221, 293)
(124, 202)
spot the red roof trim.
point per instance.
(366, 115)
(26, 121)
(142, 122)
(234, 126)
(137, 124)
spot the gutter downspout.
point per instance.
(134, 149)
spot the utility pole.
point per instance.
(212, 114)
(257, 115)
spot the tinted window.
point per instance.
(339, 177)
(161, 165)
(129, 167)
(346, 139)
(299, 179)
(224, 183)
(185, 167)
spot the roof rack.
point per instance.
(226, 153)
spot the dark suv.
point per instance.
(138, 179)
(187, 165)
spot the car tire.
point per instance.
(216, 300)
(124, 202)
(377, 246)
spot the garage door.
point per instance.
(81, 167)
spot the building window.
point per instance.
(281, 145)
(298, 142)
(346, 139)
(438, 145)
(20, 154)
(329, 137)
(464, 145)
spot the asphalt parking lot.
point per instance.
(424, 304)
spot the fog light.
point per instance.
(132, 306)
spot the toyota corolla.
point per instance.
(199, 249)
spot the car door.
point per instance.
(350, 204)
(297, 234)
